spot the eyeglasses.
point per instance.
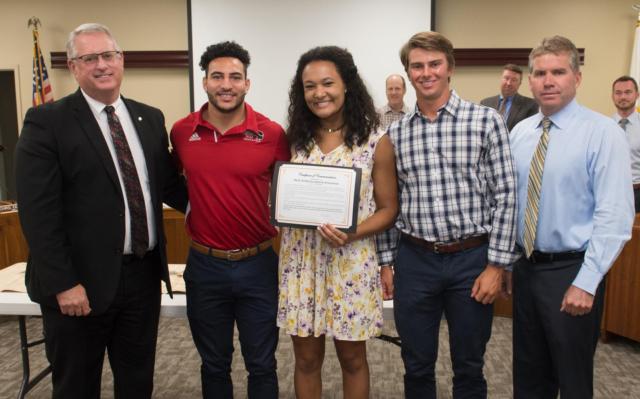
(91, 59)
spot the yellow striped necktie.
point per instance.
(533, 189)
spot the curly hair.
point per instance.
(225, 49)
(359, 113)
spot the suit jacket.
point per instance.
(521, 108)
(71, 205)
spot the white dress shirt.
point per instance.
(138, 158)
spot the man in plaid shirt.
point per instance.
(395, 109)
(456, 228)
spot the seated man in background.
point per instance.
(512, 106)
(395, 108)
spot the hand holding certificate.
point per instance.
(308, 196)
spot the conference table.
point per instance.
(14, 301)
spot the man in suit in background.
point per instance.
(512, 106)
(93, 170)
(624, 95)
(575, 212)
(395, 109)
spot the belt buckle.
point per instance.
(232, 252)
(437, 245)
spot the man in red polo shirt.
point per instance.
(227, 152)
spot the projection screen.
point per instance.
(277, 32)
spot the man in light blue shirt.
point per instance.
(625, 95)
(584, 216)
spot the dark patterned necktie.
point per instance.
(135, 199)
(503, 107)
(623, 123)
(533, 189)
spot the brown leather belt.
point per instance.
(636, 186)
(449, 247)
(232, 254)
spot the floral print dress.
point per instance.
(332, 291)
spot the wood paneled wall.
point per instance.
(622, 297)
(13, 247)
(177, 239)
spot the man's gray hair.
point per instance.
(87, 28)
(557, 45)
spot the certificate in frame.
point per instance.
(307, 195)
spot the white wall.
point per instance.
(603, 27)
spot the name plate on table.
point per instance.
(307, 196)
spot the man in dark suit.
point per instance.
(512, 106)
(93, 170)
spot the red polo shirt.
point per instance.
(228, 177)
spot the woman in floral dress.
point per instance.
(330, 283)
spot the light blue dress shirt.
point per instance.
(632, 133)
(586, 203)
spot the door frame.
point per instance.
(14, 69)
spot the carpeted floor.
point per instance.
(177, 366)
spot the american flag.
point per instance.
(42, 92)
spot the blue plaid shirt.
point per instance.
(456, 179)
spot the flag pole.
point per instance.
(42, 92)
(35, 22)
(634, 66)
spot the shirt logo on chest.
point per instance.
(195, 137)
(253, 136)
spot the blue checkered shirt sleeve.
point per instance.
(456, 179)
